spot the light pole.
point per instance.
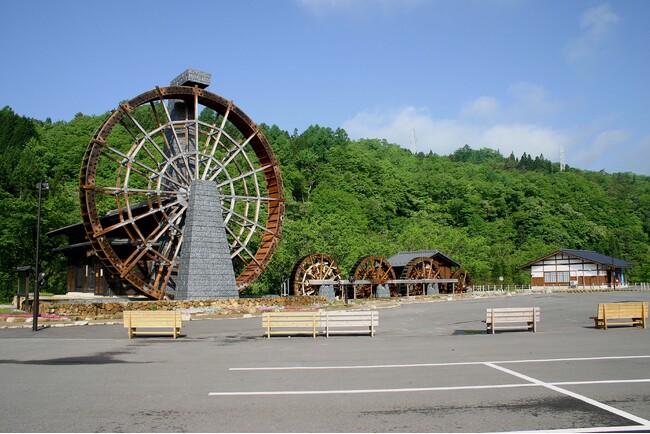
(37, 278)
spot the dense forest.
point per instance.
(351, 198)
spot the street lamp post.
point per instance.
(37, 278)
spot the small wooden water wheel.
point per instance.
(420, 268)
(464, 281)
(377, 270)
(316, 266)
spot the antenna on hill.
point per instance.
(414, 141)
(562, 163)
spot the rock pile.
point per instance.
(107, 310)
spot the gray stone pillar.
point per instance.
(432, 289)
(205, 268)
(383, 291)
(327, 291)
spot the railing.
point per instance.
(641, 286)
(501, 288)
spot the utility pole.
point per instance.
(37, 275)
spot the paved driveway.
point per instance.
(431, 368)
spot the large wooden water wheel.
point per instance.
(316, 266)
(140, 164)
(464, 281)
(419, 268)
(377, 270)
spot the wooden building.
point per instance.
(577, 268)
(86, 274)
(408, 265)
(443, 263)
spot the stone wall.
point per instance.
(107, 309)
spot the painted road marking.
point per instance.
(531, 382)
(608, 429)
(417, 389)
(426, 365)
(582, 398)
(364, 391)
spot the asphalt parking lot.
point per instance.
(430, 368)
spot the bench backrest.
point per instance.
(346, 318)
(289, 319)
(512, 314)
(152, 318)
(628, 309)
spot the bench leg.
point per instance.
(492, 321)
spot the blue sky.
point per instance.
(532, 76)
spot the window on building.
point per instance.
(556, 277)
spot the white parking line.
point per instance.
(583, 398)
(425, 365)
(608, 429)
(419, 389)
(530, 382)
(364, 391)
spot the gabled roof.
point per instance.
(402, 258)
(588, 255)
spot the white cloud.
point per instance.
(443, 136)
(485, 107)
(510, 125)
(527, 100)
(529, 138)
(530, 97)
(605, 143)
(596, 24)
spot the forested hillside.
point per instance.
(354, 198)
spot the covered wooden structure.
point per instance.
(85, 272)
(443, 262)
(577, 268)
(430, 264)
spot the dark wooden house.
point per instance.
(86, 274)
(443, 262)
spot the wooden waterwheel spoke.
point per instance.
(242, 246)
(171, 123)
(251, 174)
(248, 222)
(239, 148)
(133, 219)
(139, 144)
(206, 169)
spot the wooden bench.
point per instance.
(508, 316)
(163, 321)
(350, 321)
(290, 323)
(630, 312)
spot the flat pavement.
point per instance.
(430, 368)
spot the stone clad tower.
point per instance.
(205, 266)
